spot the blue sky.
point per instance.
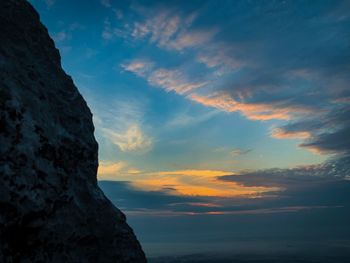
(204, 106)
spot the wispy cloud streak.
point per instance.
(167, 79)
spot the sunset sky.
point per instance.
(233, 114)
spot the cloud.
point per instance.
(171, 30)
(60, 36)
(253, 111)
(221, 57)
(315, 187)
(185, 119)
(294, 178)
(106, 3)
(134, 171)
(191, 39)
(140, 202)
(118, 13)
(167, 79)
(174, 30)
(330, 142)
(326, 134)
(266, 75)
(50, 3)
(194, 182)
(119, 124)
(110, 32)
(269, 76)
(139, 67)
(279, 133)
(66, 34)
(160, 28)
(132, 139)
(127, 197)
(107, 33)
(237, 152)
(205, 173)
(300, 231)
(110, 170)
(115, 170)
(173, 80)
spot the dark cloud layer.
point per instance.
(129, 198)
(309, 215)
(336, 170)
(324, 186)
(329, 133)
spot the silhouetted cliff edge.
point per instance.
(51, 209)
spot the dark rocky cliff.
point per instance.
(51, 209)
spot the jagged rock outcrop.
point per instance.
(51, 209)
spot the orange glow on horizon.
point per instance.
(197, 183)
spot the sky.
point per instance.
(220, 124)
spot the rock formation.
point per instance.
(51, 209)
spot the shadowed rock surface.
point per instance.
(51, 209)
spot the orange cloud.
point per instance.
(257, 111)
(316, 150)
(196, 183)
(173, 80)
(115, 170)
(139, 67)
(107, 170)
(191, 38)
(199, 204)
(134, 171)
(282, 134)
(206, 173)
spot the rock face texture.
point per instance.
(51, 209)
